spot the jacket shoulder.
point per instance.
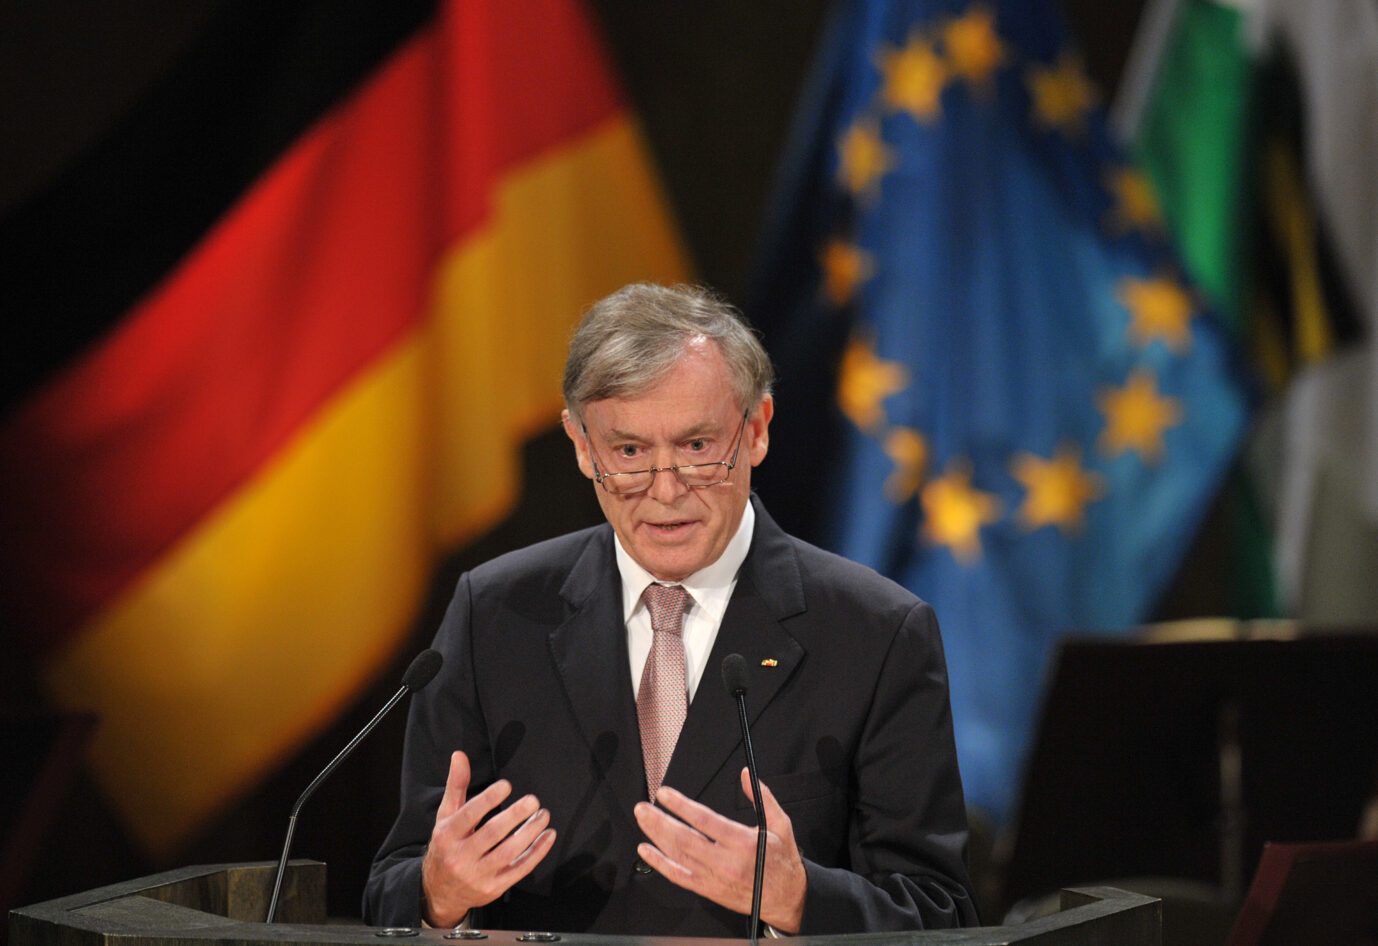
(849, 583)
(544, 565)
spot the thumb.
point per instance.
(775, 815)
(456, 786)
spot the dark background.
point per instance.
(715, 84)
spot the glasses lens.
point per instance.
(703, 474)
(628, 482)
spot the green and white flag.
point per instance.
(1257, 123)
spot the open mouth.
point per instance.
(669, 528)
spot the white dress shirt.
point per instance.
(709, 587)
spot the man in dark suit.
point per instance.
(580, 672)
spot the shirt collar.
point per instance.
(710, 586)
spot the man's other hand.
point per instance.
(715, 857)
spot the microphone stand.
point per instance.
(760, 821)
(422, 670)
(325, 773)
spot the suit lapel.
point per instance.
(590, 654)
(769, 589)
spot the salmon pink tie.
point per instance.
(662, 701)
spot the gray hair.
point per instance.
(628, 341)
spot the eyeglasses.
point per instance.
(692, 475)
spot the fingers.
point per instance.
(702, 851)
(476, 851)
(706, 823)
(530, 855)
(467, 819)
(468, 813)
(524, 818)
(672, 871)
(691, 838)
(715, 857)
(517, 854)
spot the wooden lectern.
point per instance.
(224, 905)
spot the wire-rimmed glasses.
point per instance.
(692, 475)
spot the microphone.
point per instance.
(734, 678)
(422, 670)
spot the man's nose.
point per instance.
(666, 487)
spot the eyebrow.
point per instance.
(696, 430)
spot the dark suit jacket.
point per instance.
(851, 729)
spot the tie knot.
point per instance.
(667, 604)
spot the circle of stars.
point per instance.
(968, 50)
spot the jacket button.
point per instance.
(641, 867)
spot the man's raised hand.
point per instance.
(470, 862)
(715, 857)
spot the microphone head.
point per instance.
(734, 674)
(422, 670)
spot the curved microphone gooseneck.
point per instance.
(422, 670)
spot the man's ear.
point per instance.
(757, 434)
(575, 432)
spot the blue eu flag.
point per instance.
(1032, 408)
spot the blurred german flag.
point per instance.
(273, 344)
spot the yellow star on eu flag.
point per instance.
(1136, 206)
(1057, 491)
(1136, 417)
(973, 48)
(845, 267)
(909, 451)
(864, 381)
(1158, 308)
(863, 157)
(914, 78)
(954, 512)
(1061, 94)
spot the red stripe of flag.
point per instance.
(214, 372)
